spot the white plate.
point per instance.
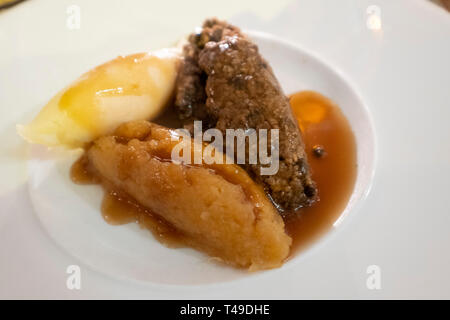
(401, 71)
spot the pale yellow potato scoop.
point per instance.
(134, 87)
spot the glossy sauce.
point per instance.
(141, 79)
(322, 123)
(118, 208)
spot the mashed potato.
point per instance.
(134, 87)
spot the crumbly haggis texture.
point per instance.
(190, 92)
(218, 208)
(226, 83)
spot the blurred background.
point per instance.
(10, 3)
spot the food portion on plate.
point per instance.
(214, 207)
(225, 82)
(127, 88)
(201, 146)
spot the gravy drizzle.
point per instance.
(324, 127)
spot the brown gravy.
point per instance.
(118, 208)
(322, 123)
